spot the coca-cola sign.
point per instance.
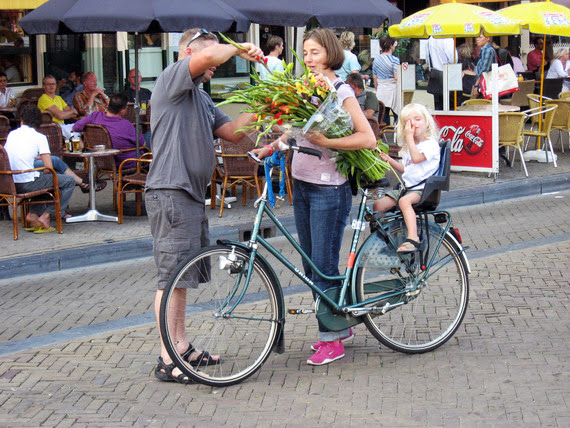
(470, 138)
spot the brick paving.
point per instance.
(506, 366)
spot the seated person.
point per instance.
(367, 99)
(61, 167)
(67, 88)
(53, 103)
(6, 94)
(91, 98)
(122, 131)
(130, 92)
(23, 145)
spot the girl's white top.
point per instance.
(416, 172)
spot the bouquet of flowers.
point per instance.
(308, 103)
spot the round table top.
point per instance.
(487, 107)
(92, 154)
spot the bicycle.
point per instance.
(412, 303)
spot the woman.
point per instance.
(350, 63)
(559, 67)
(385, 67)
(322, 197)
(487, 56)
(468, 76)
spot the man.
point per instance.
(275, 48)
(58, 108)
(184, 122)
(91, 98)
(74, 86)
(367, 99)
(534, 57)
(438, 53)
(7, 95)
(122, 131)
(144, 94)
(23, 145)
(10, 68)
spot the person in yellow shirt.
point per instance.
(53, 103)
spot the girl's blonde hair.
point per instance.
(431, 127)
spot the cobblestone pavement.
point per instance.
(78, 347)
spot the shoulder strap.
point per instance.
(339, 84)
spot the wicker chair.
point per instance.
(235, 170)
(9, 196)
(476, 101)
(106, 168)
(55, 140)
(130, 113)
(561, 120)
(564, 95)
(547, 112)
(47, 117)
(132, 183)
(4, 129)
(511, 134)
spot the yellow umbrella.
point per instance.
(544, 18)
(454, 20)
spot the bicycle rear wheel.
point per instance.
(221, 314)
(421, 315)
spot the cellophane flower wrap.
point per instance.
(303, 104)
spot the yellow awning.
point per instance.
(21, 4)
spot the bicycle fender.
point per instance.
(460, 249)
(279, 346)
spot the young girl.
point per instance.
(420, 159)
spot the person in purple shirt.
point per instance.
(122, 131)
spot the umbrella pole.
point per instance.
(137, 103)
(541, 89)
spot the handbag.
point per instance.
(507, 82)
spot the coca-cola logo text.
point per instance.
(471, 139)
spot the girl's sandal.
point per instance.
(409, 246)
(163, 372)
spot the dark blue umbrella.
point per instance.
(329, 13)
(133, 16)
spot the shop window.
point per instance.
(16, 48)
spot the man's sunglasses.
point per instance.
(199, 33)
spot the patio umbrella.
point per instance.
(133, 16)
(297, 13)
(454, 20)
(541, 18)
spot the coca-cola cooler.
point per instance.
(474, 147)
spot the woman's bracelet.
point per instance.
(270, 147)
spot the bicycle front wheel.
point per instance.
(220, 313)
(425, 308)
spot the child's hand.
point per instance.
(409, 131)
(385, 157)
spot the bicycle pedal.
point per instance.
(301, 311)
(279, 202)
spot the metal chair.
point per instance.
(561, 120)
(236, 169)
(11, 198)
(511, 134)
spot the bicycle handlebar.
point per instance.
(291, 144)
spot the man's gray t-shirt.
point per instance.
(182, 121)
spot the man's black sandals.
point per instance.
(203, 359)
(164, 373)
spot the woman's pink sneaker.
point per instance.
(316, 346)
(327, 353)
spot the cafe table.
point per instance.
(488, 107)
(92, 214)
